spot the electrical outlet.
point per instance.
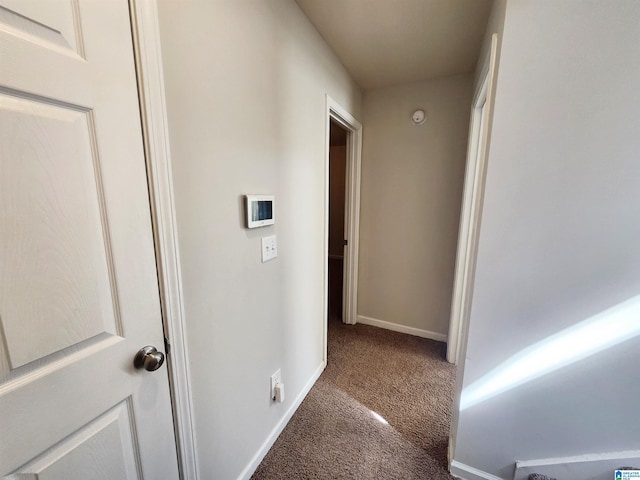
(269, 248)
(275, 379)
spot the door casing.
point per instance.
(146, 42)
(470, 218)
(337, 113)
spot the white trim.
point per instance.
(146, 37)
(352, 205)
(465, 472)
(470, 218)
(396, 327)
(277, 430)
(589, 457)
(578, 466)
(469, 233)
(352, 211)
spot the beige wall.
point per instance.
(246, 83)
(412, 178)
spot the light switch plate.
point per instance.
(269, 248)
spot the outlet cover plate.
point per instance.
(275, 379)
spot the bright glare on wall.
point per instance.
(606, 329)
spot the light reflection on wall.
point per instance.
(568, 346)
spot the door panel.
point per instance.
(55, 264)
(78, 283)
(59, 27)
(92, 447)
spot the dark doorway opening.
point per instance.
(338, 139)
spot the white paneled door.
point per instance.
(78, 282)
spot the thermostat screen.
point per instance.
(261, 210)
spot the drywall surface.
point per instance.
(558, 243)
(412, 177)
(246, 83)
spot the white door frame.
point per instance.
(337, 113)
(471, 208)
(146, 42)
(473, 196)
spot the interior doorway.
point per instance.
(344, 239)
(338, 137)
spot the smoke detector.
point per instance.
(418, 117)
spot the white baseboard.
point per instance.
(595, 466)
(402, 328)
(268, 443)
(465, 472)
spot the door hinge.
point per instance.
(167, 346)
(346, 242)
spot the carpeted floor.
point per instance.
(374, 376)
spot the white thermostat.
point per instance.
(261, 210)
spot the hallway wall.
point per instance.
(246, 82)
(412, 178)
(558, 247)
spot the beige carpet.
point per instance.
(335, 434)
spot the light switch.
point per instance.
(269, 248)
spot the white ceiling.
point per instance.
(390, 42)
